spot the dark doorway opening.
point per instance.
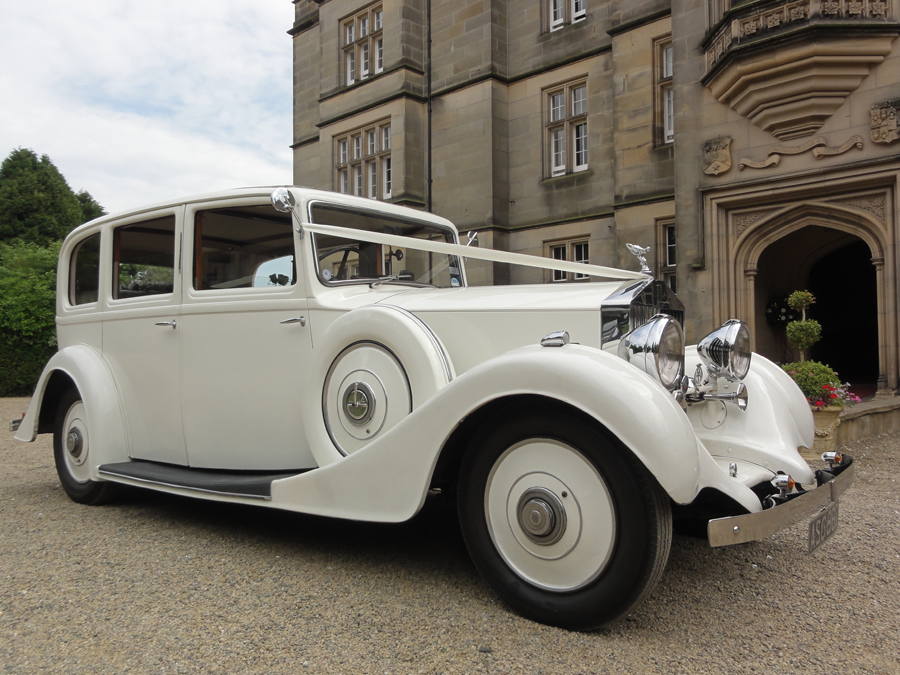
(844, 284)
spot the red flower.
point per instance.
(834, 396)
(820, 403)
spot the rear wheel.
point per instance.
(71, 452)
(569, 528)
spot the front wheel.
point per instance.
(567, 526)
(71, 452)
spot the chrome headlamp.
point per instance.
(657, 348)
(726, 351)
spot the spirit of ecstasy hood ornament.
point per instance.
(641, 254)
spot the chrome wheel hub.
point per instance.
(74, 443)
(542, 516)
(359, 403)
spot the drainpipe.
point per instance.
(428, 96)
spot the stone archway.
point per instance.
(823, 261)
(780, 251)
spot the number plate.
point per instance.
(823, 526)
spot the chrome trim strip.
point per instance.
(122, 478)
(438, 347)
(755, 526)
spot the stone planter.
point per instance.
(827, 420)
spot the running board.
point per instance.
(254, 485)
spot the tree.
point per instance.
(90, 209)
(27, 313)
(37, 210)
(36, 202)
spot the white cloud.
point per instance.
(138, 102)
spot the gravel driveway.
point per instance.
(161, 584)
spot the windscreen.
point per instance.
(348, 259)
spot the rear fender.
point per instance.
(89, 373)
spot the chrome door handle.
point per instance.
(297, 319)
(173, 323)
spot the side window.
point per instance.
(251, 247)
(575, 251)
(566, 124)
(84, 271)
(664, 105)
(144, 258)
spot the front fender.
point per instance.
(776, 423)
(388, 479)
(94, 381)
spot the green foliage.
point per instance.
(90, 209)
(27, 313)
(37, 210)
(36, 202)
(819, 383)
(807, 332)
(803, 334)
(800, 300)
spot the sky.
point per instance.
(138, 102)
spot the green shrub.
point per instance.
(27, 314)
(817, 381)
(800, 300)
(803, 334)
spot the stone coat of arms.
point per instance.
(885, 127)
(717, 155)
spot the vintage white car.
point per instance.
(325, 354)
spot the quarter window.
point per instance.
(84, 279)
(362, 45)
(367, 169)
(567, 128)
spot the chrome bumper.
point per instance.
(754, 526)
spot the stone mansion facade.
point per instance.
(754, 145)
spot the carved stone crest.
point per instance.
(717, 154)
(885, 118)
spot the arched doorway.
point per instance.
(836, 266)
(763, 245)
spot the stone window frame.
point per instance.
(664, 92)
(561, 13)
(566, 128)
(362, 44)
(575, 249)
(667, 245)
(362, 161)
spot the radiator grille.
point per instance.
(637, 304)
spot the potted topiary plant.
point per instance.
(805, 333)
(821, 385)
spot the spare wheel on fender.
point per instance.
(381, 362)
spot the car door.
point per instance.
(245, 338)
(141, 338)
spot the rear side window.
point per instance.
(84, 271)
(249, 247)
(144, 258)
